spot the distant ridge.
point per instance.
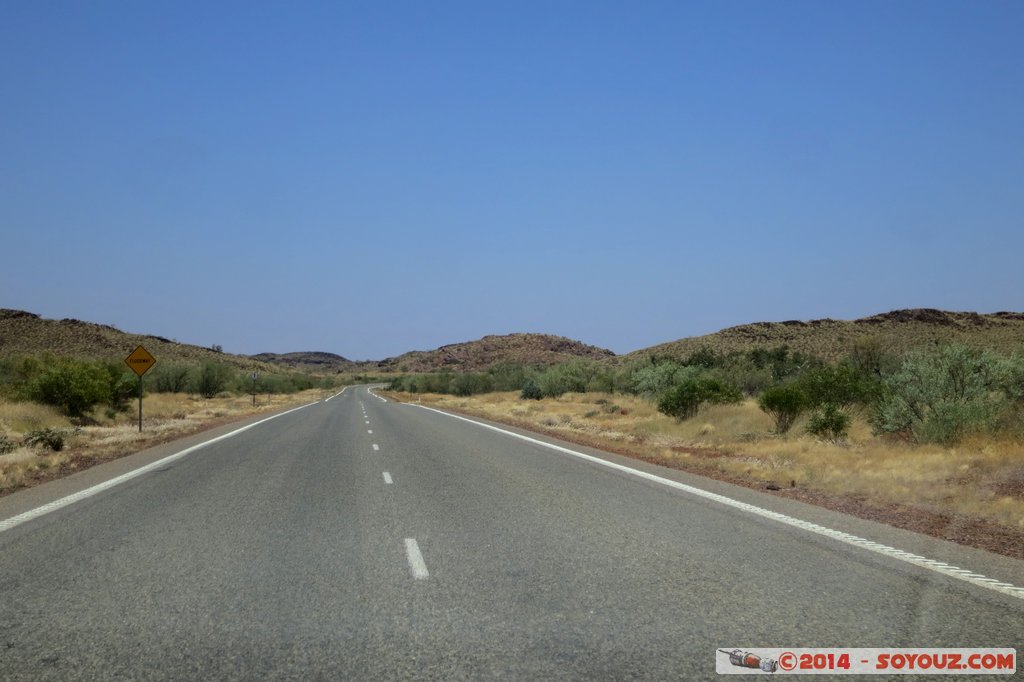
(311, 360)
(23, 333)
(529, 349)
(898, 330)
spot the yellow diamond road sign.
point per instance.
(140, 361)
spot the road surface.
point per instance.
(362, 539)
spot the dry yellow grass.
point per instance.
(19, 418)
(165, 416)
(980, 479)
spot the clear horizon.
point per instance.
(448, 343)
(372, 179)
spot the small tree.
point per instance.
(469, 384)
(704, 357)
(840, 385)
(784, 404)
(937, 396)
(829, 422)
(1013, 378)
(72, 385)
(571, 376)
(508, 375)
(871, 359)
(782, 363)
(211, 378)
(740, 371)
(170, 378)
(654, 380)
(684, 401)
(531, 391)
(123, 386)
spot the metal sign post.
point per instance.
(255, 376)
(140, 362)
(140, 403)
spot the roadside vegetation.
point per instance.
(936, 431)
(59, 415)
(941, 395)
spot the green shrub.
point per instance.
(50, 437)
(741, 372)
(601, 382)
(1011, 421)
(123, 386)
(281, 383)
(684, 400)
(829, 421)
(508, 375)
(6, 444)
(531, 391)
(399, 383)
(469, 384)
(622, 380)
(211, 378)
(839, 385)
(704, 357)
(271, 383)
(171, 378)
(439, 382)
(15, 374)
(655, 380)
(71, 385)
(870, 358)
(1013, 378)
(784, 404)
(10, 379)
(572, 376)
(782, 363)
(296, 381)
(939, 395)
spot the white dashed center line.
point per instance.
(387, 478)
(416, 564)
(369, 430)
(376, 447)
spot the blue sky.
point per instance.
(370, 178)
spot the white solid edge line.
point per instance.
(328, 399)
(416, 564)
(19, 519)
(387, 478)
(932, 565)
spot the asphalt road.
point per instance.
(308, 547)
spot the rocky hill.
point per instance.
(23, 333)
(530, 349)
(316, 361)
(899, 330)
